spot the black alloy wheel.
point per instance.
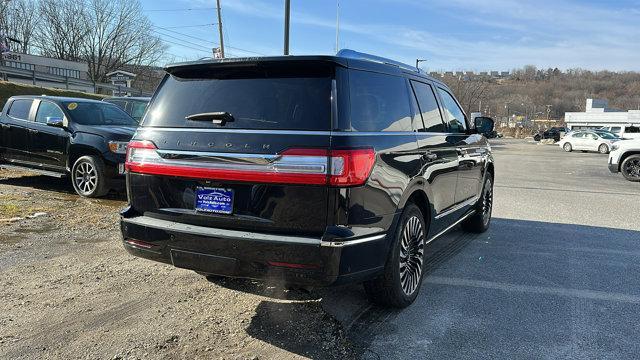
(399, 285)
(630, 168)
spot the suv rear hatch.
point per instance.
(237, 145)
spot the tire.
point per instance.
(398, 288)
(479, 222)
(603, 149)
(630, 168)
(537, 137)
(567, 147)
(88, 177)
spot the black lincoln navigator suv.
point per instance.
(83, 139)
(306, 170)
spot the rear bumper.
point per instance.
(284, 259)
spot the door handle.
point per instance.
(6, 126)
(33, 131)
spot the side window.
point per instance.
(379, 102)
(429, 110)
(592, 136)
(632, 129)
(46, 110)
(20, 109)
(455, 115)
(578, 135)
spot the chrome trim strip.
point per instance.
(142, 130)
(352, 242)
(450, 226)
(219, 154)
(458, 207)
(213, 232)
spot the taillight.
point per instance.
(348, 167)
(139, 153)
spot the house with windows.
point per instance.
(46, 72)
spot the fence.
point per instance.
(36, 76)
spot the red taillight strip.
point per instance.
(349, 167)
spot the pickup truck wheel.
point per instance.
(603, 149)
(88, 177)
(567, 147)
(630, 168)
(400, 284)
(480, 220)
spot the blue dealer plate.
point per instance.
(214, 200)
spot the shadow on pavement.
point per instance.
(524, 289)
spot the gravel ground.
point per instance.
(69, 290)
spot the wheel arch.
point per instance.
(625, 156)
(77, 151)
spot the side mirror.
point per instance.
(483, 124)
(55, 121)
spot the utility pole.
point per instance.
(220, 30)
(287, 16)
(337, 25)
(548, 110)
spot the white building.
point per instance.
(46, 72)
(599, 115)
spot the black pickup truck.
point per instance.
(80, 138)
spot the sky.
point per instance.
(471, 35)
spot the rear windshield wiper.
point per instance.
(218, 117)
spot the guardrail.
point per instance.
(36, 76)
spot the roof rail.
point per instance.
(352, 54)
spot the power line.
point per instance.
(188, 26)
(182, 40)
(183, 34)
(183, 9)
(208, 42)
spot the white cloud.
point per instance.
(547, 33)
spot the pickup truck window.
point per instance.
(94, 113)
(20, 109)
(48, 109)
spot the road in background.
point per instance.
(554, 277)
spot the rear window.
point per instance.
(257, 99)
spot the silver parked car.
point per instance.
(587, 140)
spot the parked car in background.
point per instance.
(587, 140)
(624, 132)
(58, 136)
(625, 158)
(134, 106)
(555, 133)
(306, 171)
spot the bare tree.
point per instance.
(121, 35)
(62, 29)
(469, 91)
(19, 20)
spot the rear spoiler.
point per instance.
(253, 62)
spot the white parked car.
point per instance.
(625, 158)
(587, 140)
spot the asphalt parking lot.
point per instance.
(554, 277)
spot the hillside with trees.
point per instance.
(528, 91)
